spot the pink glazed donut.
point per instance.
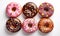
(46, 10)
(13, 10)
(29, 25)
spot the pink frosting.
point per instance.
(11, 13)
(28, 29)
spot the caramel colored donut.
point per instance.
(45, 25)
(30, 9)
(46, 9)
(13, 25)
(30, 25)
(13, 10)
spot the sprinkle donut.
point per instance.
(46, 9)
(13, 25)
(30, 9)
(13, 10)
(29, 25)
(45, 25)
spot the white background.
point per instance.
(55, 18)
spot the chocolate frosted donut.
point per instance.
(13, 24)
(46, 9)
(30, 9)
(45, 25)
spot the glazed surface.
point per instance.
(13, 24)
(29, 25)
(46, 9)
(45, 25)
(13, 10)
(30, 9)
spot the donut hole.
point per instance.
(46, 9)
(46, 25)
(14, 8)
(30, 25)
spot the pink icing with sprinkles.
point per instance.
(28, 29)
(10, 12)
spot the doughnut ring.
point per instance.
(46, 10)
(29, 25)
(13, 25)
(45, 25)
(30, 9)
(13, 10)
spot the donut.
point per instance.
(46, 10)
(45, 25)
(13, 25)
(29, 25)
(13, 10)
(30, 9)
